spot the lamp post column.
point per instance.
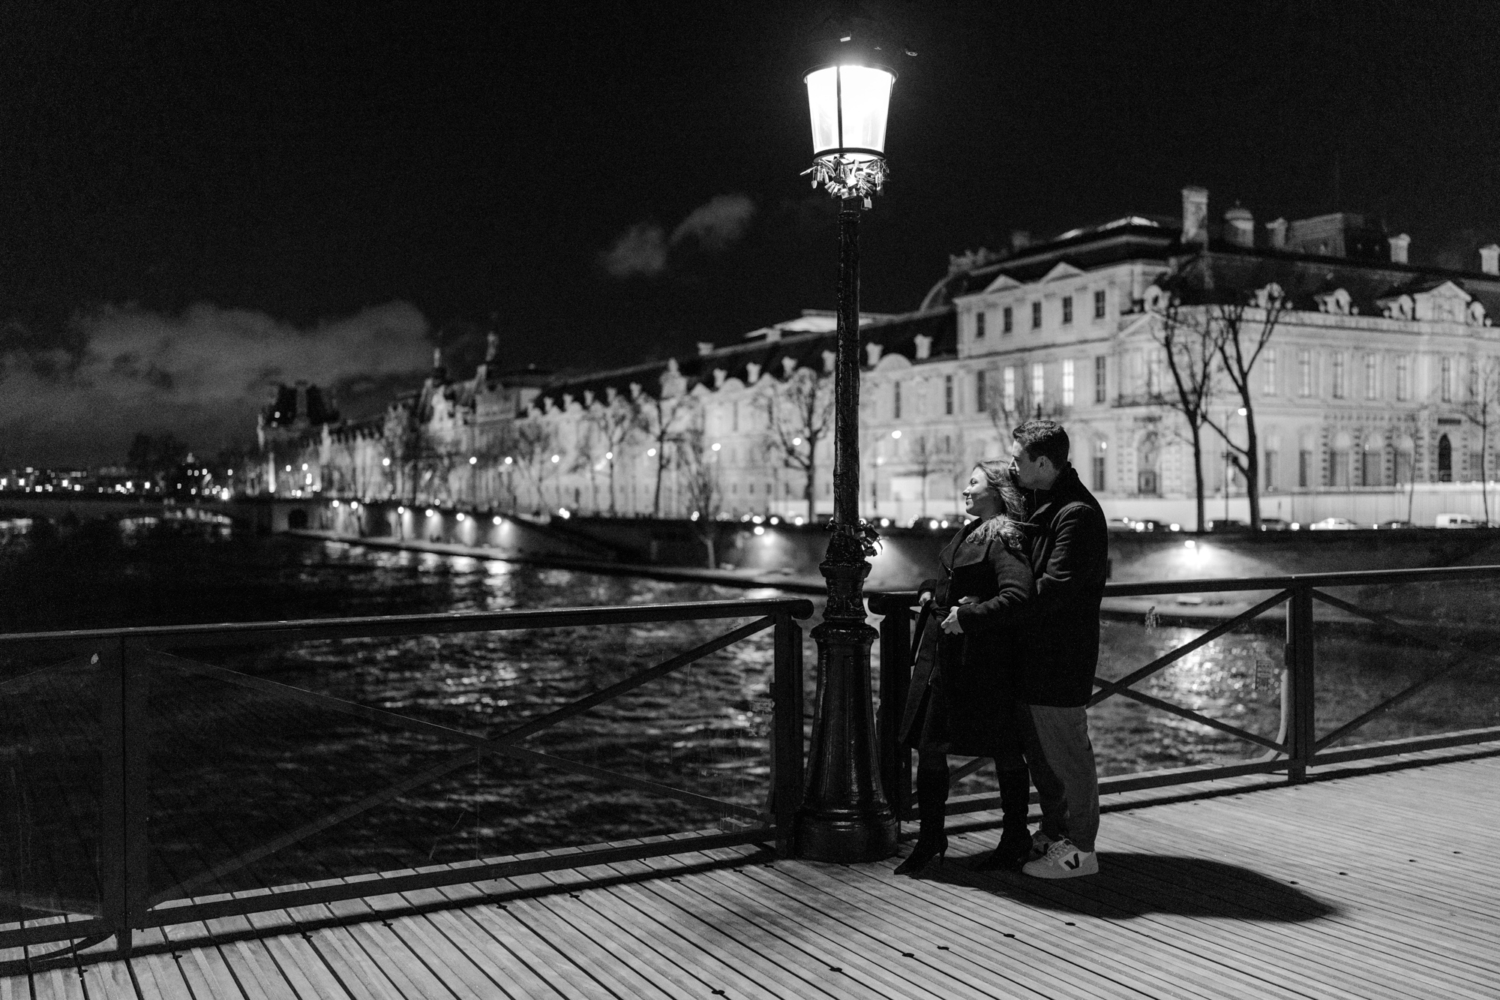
(845, 816)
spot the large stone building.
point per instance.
(1374, 397)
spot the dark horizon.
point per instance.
(202, 202)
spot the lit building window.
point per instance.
(1101, 379)
(1304, 374)
(1338, 382)
(1446, 382)
(1372, 376)
(1009, 390)
(1067, 383)
(1038, 383)
(1403, 377)
(1270, 364)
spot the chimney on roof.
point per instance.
(1276, 233)
(705, 347)
(1020, 239)
(1195, 215)
(872, 353)
(1399, 245)
(1240, 226)
(1489, 259)
(923, 344)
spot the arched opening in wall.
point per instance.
(1445, 460)
(1339, 460)
(1147, 457)
(1372, 462)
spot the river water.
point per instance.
(231, 768)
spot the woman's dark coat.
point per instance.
(960, 696)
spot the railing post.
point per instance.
(122, 814)
(1301, 663)
(895, 679)
(786, 732)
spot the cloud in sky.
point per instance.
(203, 374)
(715, 226)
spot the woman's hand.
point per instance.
(951, 624)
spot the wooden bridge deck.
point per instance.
(1381, 882)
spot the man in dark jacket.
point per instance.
(1069, 554)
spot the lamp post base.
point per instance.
(845, 816)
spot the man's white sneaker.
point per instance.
(1063, 860)
(1040, 842)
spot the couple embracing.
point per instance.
(1006, 649)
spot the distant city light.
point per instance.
(556, 459)
(609, 456)
(760, 530)
(386, 462)
(431, 512)
(716, 446)
(495, 519)
(473, 460)
(796, 441)
(896, 435)
(650, 452)
(564, 513)
(460, 515)
(508, 460)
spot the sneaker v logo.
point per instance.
(1073, 862)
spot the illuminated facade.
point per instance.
(1377, 395)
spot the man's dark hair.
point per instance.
(1043, 437)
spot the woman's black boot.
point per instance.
(932, 841)
(1015, 839)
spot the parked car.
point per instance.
(1148, 524)
(1227, 524)
(1121, 524)
(1394, 524)
(1333, 524)
(1274, 524)
(1454, 521)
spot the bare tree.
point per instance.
(534, 441)
(701, 474)
(661, 420)
(924, 460)
(799, 414)
(1241, 329)
(1189, 345)
(1007, 410)
(1481, 406)
(587, 453)
(618, 420)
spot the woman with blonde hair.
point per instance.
(960, 700)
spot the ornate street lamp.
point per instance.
(845, 815)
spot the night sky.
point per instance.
(200, 200)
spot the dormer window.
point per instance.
(1099, 304)
(1036, 315)
(1067, 304)
(979, 326)
(1007, 320)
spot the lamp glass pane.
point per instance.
(867, 99)
(822, 102)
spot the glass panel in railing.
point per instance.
(50, 746)
(1204, 703)
(1408, 658)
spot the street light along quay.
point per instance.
(845, 815)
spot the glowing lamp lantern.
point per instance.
(849, 103)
